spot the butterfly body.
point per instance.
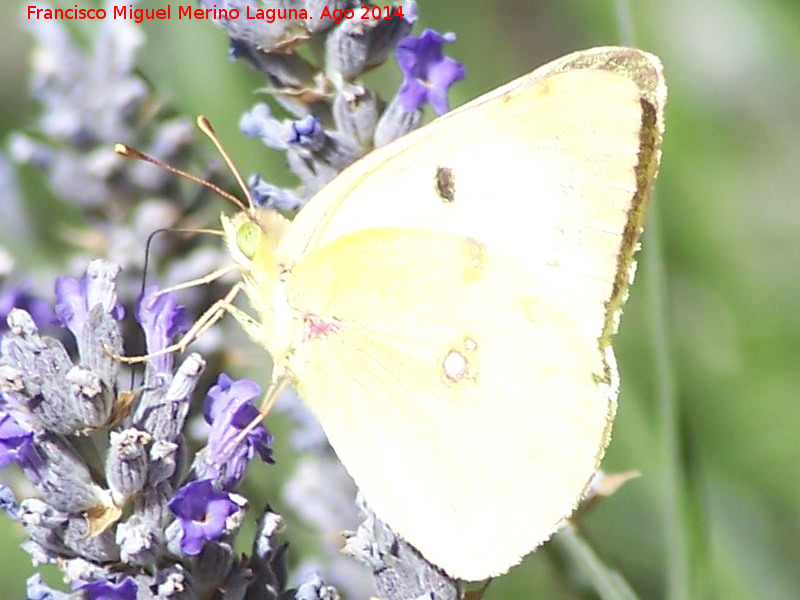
(446, 304)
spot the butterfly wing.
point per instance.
(576, 135)
(463, 398)
(553, 170)
(471, 403)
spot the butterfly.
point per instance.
(446, 304)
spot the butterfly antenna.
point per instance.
(129, 152)
(148, 247)
(146, 265)
(205, 126)
(153, 234)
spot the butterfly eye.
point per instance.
(247, 237)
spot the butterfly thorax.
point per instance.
(252, 240)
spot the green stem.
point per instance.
(580, 560)
(676, 520)
(679, 556)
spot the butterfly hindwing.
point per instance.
(455, 386)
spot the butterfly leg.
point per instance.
(205, 279)
(274, 391)
(251, 326)
(214, 313)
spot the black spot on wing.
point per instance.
(445, 183)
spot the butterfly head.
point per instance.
(252, 237)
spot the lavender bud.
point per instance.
(45, 363)
(21, 324)
(283, 31)
(234, 520)
(173, 536)
(266, 195)
(355, 112)
(395, 122)
(213, 564)
(81, 569)
(140, 540)
(41, 555)
(175, 583)
(316, 590)
(356, 45)
(101, 338)
(92, 399)
(240, 581)
(162, 413)
(268, 561)
(8, 502)
(101, 285)
(78, 536)
(17, 393)
(319, 167)
(270, 525)
(64, 481)
(152, 504)
(315, 23)
(126, 463)
(45, 526)
(297, 85)
(163, 461)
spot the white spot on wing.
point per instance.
(455, 365)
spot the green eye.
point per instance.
(247, 237)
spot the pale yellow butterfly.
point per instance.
(446, 304)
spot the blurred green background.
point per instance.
(708, 348)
